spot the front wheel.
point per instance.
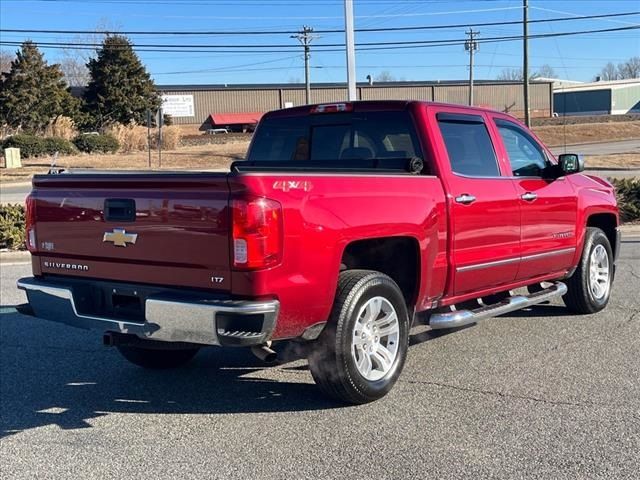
(589, 288)
(157, 358)
(361, 352)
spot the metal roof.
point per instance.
(607, 85)
(315, 85)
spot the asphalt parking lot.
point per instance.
(533, 394)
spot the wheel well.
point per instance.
(607, 223)
(397, 257)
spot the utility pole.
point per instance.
(351, 52)
(471, 46)
(305, 37)
(525, 61)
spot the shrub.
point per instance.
(628, 193)
(52, 145)
(97, 143)
(131, 138)
(35, 146)
(29, 145)
(12, 235)
(62, 127)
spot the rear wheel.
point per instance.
(589, 288)
(361, 352)
(157, 358)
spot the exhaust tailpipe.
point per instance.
(265, 353)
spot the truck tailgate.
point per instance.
(168, 229)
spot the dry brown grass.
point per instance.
(62, 127)
(132, 138)
(201, 157)
(619, 160)
(555, 135)
(171, 137)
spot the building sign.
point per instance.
(178, 105)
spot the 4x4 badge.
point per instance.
(120, 237)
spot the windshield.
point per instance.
(331, 137)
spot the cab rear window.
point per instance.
(331, 137)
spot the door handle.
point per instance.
(529, 196)
(465, 199)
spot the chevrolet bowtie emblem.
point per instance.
(120, 237)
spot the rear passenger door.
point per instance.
(484, 214)
(548, 206)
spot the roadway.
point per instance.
(533, 394)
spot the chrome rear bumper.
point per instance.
(167, 317)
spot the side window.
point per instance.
(469, 145)
(525, 155)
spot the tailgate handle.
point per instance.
(119, 210)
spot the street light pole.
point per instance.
(351, 53)
(471, 46)
(525, 61)
(305, 37)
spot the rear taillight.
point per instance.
(30, 223)
(257, 233)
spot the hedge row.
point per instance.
(12, 227)
(36, 146)
(628, 192)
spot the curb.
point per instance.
(15, 257)
(15, 184)
(630, 229)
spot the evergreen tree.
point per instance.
(120, 89)
(33, 93)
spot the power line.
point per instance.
(291, 32)
(283, 48)
(377, 45)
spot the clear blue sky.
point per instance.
(578, 57)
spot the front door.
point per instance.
(548, 206)
(483, 208)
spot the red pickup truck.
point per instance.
(345, 224)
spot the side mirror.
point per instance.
(571, 163)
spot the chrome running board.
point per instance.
(460, 318)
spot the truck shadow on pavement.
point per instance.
(54, 375)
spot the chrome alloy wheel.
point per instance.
(374, 345)
(599, 276)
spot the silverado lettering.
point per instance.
(344, 226)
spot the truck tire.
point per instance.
(157, 358)
(589, 288)
(361, 352)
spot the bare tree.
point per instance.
(516, 75)
(74, 69)
(385, 76)
(629, 69)
(74, 61)
(511, 74)
(5, 61)
(545, 71)
(609, 72)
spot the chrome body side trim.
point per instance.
(552, 253)
(167, 318)
(479, 266)
(507, 261)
